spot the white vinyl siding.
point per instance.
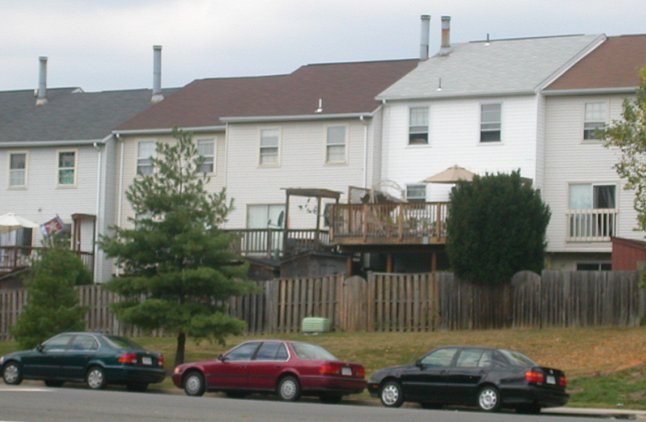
(269, 147)
(17, 169)
(145, 154)
(206, 149)
(596, 115)
(66, 168)
(418, 126)
(490, 122)
(335, 146)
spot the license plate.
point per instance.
(346, 371)
(146, 360)
(551, 379)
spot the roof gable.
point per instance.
(494, 68)
(614, 64)
(343, 88)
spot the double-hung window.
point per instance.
(145, 154)
(17, 169)
(206, 149)
(269, 147)
(66, 168)
(418, 126)
(595, 118)
(490, 122)
(335, 147)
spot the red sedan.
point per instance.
(287, 368)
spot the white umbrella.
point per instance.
(453, 174)
(11, 221)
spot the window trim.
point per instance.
(428, 126)
(25, 180)
(58, 168)
(213, 157)
(480, 131)
(585, 121)
(261, 147)
(328, 145)
(137, 158)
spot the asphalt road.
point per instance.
(38, 404)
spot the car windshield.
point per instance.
(123, 343)
(309, 351)
(517, 358)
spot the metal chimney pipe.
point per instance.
(445, 48)
(157, 91)
(423, 47)
(42, 82)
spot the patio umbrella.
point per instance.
(11, 221)
(453, 174)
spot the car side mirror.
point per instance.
(40, 347)
(419, 364)
(222, 358)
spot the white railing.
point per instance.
(591, 225)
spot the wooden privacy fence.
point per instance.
(404, 302)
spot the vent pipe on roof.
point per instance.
(157, 91)
(445, 48)
(423, 47)
(42, 82)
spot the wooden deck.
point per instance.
(278, 243)
(14, 258)
(422, 223)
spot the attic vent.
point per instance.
(320, 108)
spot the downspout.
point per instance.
(365, 152)
(98, 267)
(120, 200)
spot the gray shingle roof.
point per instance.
(500, 67)
(69, 115)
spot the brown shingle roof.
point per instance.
(343, 88)
(614, 64)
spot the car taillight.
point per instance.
(563, 381)
(329, 369)
(537, 377)
(128, 358)
(161, 360)
(361, 372)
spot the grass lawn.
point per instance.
(606, 366)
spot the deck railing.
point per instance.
(407, 223)
(16, 257)
(276, 243)
(591, 225)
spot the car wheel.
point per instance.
(95, 378)
(289, 389)
(391, 394)
(489, 399)
(53, 383)
(194, 384)
(331, 398)
(140, 387)
(529, 409)
(12, 373)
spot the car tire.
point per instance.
(137, 386)
(331, 398)
(53, 383)
(194, 384)
(95, 378)
(289, 389)
(391, 394)
(12, 373)
(489, 399)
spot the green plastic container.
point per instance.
(311, 325)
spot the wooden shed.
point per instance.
(627, 253)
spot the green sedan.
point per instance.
(93, 358)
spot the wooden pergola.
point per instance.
(319, 194)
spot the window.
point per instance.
(17, 169)
(439, 358)
(474, 358)
(269, 141)
(265, 216)
(416, 193)
(335, 149)
(594, 266)
(243, 352)
(67, 168)
(418, 126)
(272, 351)
(82, 342)
(592, 214)
(589, 196)
(490, 118)
(206, 149)
(595, 118)
(145, 154)
(58, 343)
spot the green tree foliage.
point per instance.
(629, 136)
(496, 227)
(177, 265)
(53, 303)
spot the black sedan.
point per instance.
(474, 376)
(96, 359)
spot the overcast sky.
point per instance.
(107, 44)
